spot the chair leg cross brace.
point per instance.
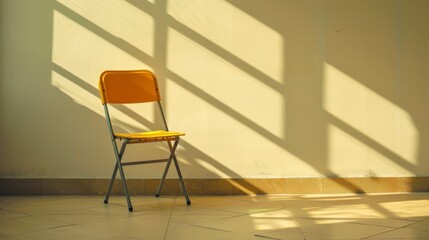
(167, 167)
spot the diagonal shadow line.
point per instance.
(199, 154)
(213, 47)
(129, 112)
(226, 55)
(196, 153)
(87, 87)
(144, 57)
(94, 91)
(225, 108)
(370, 142)
(75, 79)
(144, 6)
(137, 53)
(119, 42)
(374, 203)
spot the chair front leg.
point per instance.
(115, 170)
(167, 167)
(118, 156)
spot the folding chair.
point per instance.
(139, 86)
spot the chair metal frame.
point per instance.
(131, 82)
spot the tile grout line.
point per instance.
(215, 229)
(43, 229)
(396, 228)
(260, 236)
(372, 236)
(243, 214)
(169, 219)
(379, 225)
(299, 227)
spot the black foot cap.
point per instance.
(130, 209)
(156, 195)
(105, 201)
(188, 202)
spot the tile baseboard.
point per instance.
(239, 186)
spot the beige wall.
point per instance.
(270, 89)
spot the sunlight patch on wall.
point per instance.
(82, 97)
(345, 154)
(77, 93)
(371, 116)
(350, 157)
(120, 19)
(236, 94)
(84, 53)
(73, 51)
(214, 171)
(223, 138)
(234, 31)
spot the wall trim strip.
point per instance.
(33, 186)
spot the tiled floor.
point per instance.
(295, 217)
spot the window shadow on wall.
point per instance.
(158, 63)
(391, 70)
(302, 86)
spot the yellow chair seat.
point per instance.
(150, 136)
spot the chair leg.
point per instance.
(182, 183)
(112, 180)
(124, 184)
(176, 163)
(167, 167)
(118, 157)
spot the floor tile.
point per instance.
(253, 223)
(392, 223)
(283, 234)
(403, 233)
(4, 237)
(7, 215)
(199, 216)
(193, 232)
(342, 231)
(26, 224)
(420, 225)
(284, 217)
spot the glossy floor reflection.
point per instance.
(295, 217)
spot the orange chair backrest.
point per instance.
(128, 87)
